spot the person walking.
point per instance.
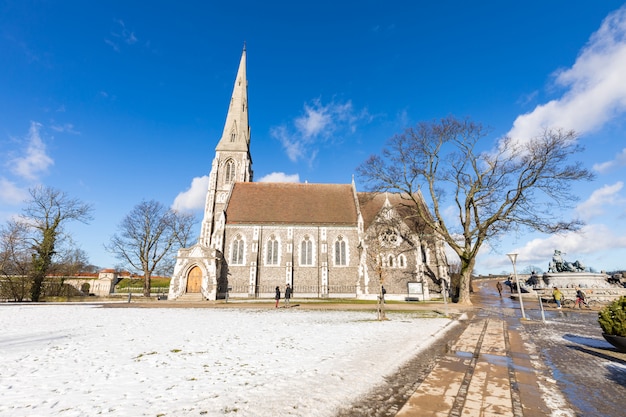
(277, 296)
(580, 299)
(287, 295)
(558, 297)
(499, 287)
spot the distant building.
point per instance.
(319, 238)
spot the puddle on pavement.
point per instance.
(498, 360)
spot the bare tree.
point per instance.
(46, 213)
(148, 235)
(531, 268)
(69, 262)
(374, 251)
(15, 262)
(520, 184)
(387, 237)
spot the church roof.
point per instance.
(291, 203)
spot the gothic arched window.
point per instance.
(401, 261)
(230, 172)
(340, 251)
(272, 251)
(237, 251)
(306, 251)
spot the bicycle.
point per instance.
(568, 302)
(589, 303)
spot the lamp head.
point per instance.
(512, 256)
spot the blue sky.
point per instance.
(114, 102)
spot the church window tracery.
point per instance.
(389, 238)
(230, 172)
(401, 261)
(340, 252)
(272, 251)
(237, 257)
(306, 251)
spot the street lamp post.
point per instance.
(130, 280)
(513, 258)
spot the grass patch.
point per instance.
(159, 282)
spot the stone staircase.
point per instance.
(190, 297)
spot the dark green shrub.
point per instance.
(612, 318)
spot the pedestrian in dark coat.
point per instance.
(580, 299)
(287, 294)
(277, 296)
(499, 287)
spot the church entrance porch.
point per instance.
(194, 280)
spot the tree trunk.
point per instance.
(146, 284)
(465, 283)
(35, 289)
(381, 304)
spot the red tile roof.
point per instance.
(291, 203)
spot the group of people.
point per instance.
(288, 293)
(581, 299)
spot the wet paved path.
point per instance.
(473, 379)
(504, 366)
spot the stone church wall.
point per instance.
(320, 279)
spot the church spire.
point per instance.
(232, 162)
(236, 135)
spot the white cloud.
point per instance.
(65, 128)
(316, 120)
(280, 177)
(318, 124)
(619, 161)
(293, 148)
(35, 160)
(587, 245)
(595, 205)
(595, 91)
(122, 34)
(591, 239)
(194, 197)
(11, 193)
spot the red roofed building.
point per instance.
(320, 239)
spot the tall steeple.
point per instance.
(232, 162)
(236, 135)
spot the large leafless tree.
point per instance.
(46, 213)
(15, 262)
(519, 184)
(148, 237)
(387, 237)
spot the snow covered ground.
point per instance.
(81, 360)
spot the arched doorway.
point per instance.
(194, 280)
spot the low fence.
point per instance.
(297, 290)
(599, 295)
(139, 290)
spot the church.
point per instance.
(324, 240)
